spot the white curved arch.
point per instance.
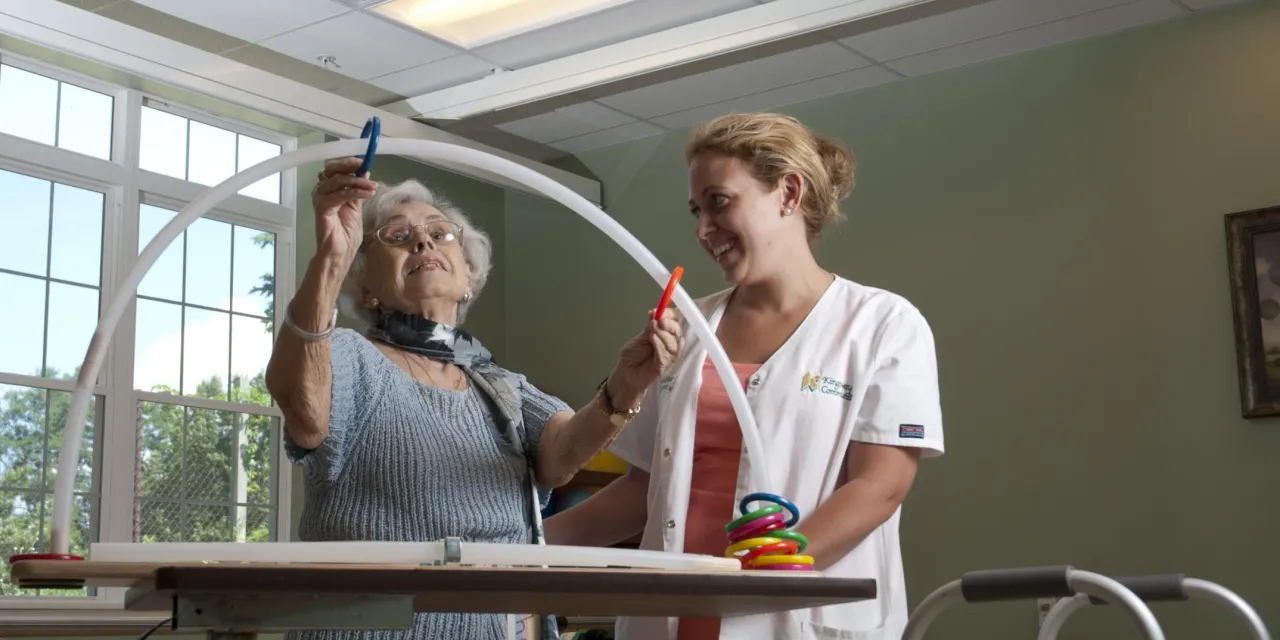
(422, 150)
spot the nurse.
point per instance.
(841, 377)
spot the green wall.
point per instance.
(1058, 218)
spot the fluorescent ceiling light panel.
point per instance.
(474, 23)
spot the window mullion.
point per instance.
(119, 441)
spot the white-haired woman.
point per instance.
(410, 431)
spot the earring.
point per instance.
(466, 297)
(373, 303)
(788, 211)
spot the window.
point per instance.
(204, 154)
(55, 113)
(181, 428)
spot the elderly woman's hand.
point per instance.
(337, 199)
(644, 358)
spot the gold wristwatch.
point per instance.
(616, 417)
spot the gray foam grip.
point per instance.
(1165, 587)
(1025, 583)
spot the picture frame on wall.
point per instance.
(1253, 260)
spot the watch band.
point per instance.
(616, 416)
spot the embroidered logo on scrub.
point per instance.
(812, 383)
(667, 383)
(911, 431)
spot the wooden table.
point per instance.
(266, 597)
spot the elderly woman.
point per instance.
(411, 431)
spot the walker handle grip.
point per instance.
(1162, 587)
(1024, 583)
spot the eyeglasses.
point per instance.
(399, 233)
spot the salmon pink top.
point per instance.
(717, 449)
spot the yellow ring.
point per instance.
(768, 560)
(747, 545)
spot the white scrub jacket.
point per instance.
(861, 367)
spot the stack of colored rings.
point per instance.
(760, 538)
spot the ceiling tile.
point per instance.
(966, 25)
(781, 97)
(434, 76)
(744, 78)
(628, 21)
(567, 122)
(251, 20)
(616, 135)
(287, 67)
(171, 27)
(1124, 16)
(364, 45)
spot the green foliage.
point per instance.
(188, 489)
(267, 283)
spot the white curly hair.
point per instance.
(476, 247)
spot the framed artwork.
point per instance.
(1253, 259)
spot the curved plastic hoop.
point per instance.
(420, 149)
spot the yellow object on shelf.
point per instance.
(608, 462)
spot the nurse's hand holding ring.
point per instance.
(645, 357)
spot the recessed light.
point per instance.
(473, 23)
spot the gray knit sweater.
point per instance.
(408, 462)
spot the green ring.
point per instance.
(791, 535)
(758, 513)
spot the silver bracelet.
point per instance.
(307, 335)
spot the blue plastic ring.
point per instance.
(372, 131)
(776, 499)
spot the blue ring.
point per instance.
(372, 131)
(776, 499)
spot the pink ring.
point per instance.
(757, 532)
(749, 529)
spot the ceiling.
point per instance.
(379, 62)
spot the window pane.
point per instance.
(31, 422)
(20, 512)
(206, 457)
(251, 151)
(84, 121)
(257, 446)
(73, 315)
(157, 364)
(86, 472)
(77, 235)
(21, 437)
(209, 264)
(254, 272)
(259, 525)
(192, 485)
(28, 105)
(205, 353)
(158, 467)
(163, 143)
(24, 223)
(26, 415)
(251, 342)
(22, 325)
(164, 280)
(212, 157)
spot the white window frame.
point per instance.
(125, 187)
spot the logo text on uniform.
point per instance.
(817, 383)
